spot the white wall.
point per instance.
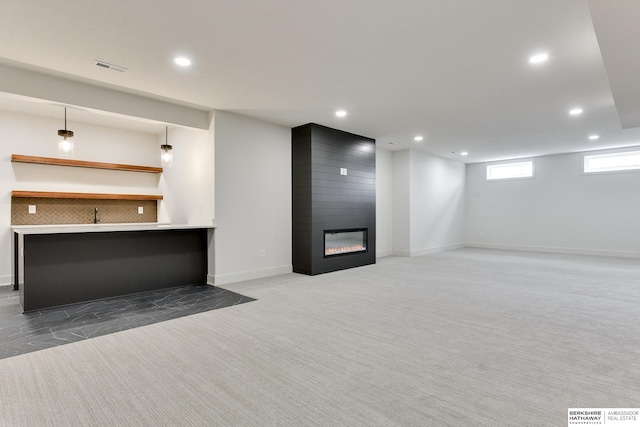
(428, 203)
(384, 203)
(437, 203)
(560, 210)
(401, 203)
(188, 185)
(253, 198)
(37, 136)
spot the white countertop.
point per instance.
(97, 228)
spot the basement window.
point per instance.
(612, 162)
(514, 170)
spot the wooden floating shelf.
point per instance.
(93, 196)
(83, 164)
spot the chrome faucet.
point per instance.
(95, 216)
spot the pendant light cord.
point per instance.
(65, 118)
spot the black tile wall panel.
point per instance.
(325, 200)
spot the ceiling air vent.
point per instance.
(107, 66)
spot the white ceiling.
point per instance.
(456, 72)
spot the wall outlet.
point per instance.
(140, 209)
(343, 171)
(263, 253)
(32, 209)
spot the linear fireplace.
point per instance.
(344, 242)
(333, 176)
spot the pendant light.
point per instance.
(65, 139)
(166, 154)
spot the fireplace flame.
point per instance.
(344, 249)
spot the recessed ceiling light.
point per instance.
(341, 113)
(182, 61)
(592, 137)
(418, 138)
(464, 153)
(538, 58)
(575, 111)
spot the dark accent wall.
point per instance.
(325, 200)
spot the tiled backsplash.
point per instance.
(79, 211)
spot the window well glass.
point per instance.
(612, 162)
(510, 170)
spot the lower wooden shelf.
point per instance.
(101, 196)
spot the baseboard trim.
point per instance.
(383, 254)
(555, 250)
(6, 280)
(224, 279)
(436, 249)
(400, 253)
(427, 251)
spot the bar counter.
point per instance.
(58, 265)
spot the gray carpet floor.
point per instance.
(468, 337)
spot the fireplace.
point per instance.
(333, 177)
(344, 242)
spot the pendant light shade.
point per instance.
(166, 150)
(65, 140)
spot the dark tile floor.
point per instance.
(24, 333)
